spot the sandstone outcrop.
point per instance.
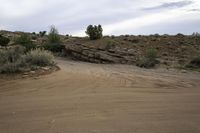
(98, 55)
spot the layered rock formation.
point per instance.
(98, 55)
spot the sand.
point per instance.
(96, 98)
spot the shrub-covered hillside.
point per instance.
(171, 51)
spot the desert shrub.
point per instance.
(112, 36)
(54, 35)
(25, 40)
(54, 47)
(156, 35)
(39, 57)
(15, 60)
(94, 32)
(135, 40)
(11, 54)
(34, 37)
(146, 63)
(67, 36)
(11, 67)
(127, 35)
(108, 46)
(4, 41)
(111, 44)
(11, 59)
(54, 43)
(180, 35)
(195, 62)
(151, 53)
(42, 33)
(195, 34)
(149, 60)
(125, 39)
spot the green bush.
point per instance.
(180, 35)
(151, 53)
(94, 32)
(54, 47)
(39, 57)
(34, 37)
(4, 40)
(195, 62)
(135, 40)
(54, 35)
(42, 33)
(25, 40)
(147, 63)
(149, 60)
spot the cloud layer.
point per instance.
(116, 16)
(168, 5)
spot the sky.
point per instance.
(117, 17)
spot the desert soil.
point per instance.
(94, 98)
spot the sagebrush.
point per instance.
(15, 59)
(11, 59)
(149, 60)
(25, 40)
(39, 57)
(4, 41)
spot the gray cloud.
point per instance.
(73, 16)
(194, 10)
(168, 5)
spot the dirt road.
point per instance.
(92, 98)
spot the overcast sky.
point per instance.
(116, 16)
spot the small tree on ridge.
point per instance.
(94, 32)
